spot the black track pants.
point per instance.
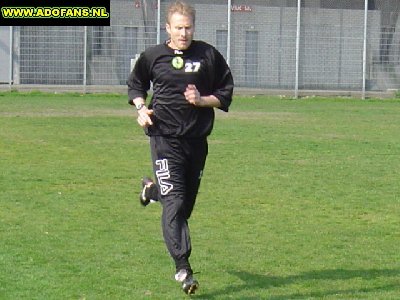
(178, 166)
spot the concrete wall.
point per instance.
(4, 54)
(331, 45)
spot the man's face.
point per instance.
(180, 29)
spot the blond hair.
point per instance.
(181, 8)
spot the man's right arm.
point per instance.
(138, 85)
(144, 114)
(139, 81)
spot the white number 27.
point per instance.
(191, 67)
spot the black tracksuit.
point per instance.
(178, 136)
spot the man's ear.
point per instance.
(168, 28)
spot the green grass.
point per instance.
(300, 200)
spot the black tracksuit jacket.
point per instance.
(170, 71)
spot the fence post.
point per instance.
(85, 59)
(158, 21)
(364, 76)
(228, 46)
(11, 59)
(296, 87)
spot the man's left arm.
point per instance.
(222, 86)
(222, 81)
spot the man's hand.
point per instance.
(192, 95)
(144, 117)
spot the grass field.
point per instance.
(300, 200)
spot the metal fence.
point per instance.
(281, 45)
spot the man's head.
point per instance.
(180, 25)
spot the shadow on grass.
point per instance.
(258, 284)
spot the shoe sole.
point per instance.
(190, 289)
(143, 200)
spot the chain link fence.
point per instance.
(285, 46)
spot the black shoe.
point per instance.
(147, 184)
(189, 284)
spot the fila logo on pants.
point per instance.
(163, 175)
